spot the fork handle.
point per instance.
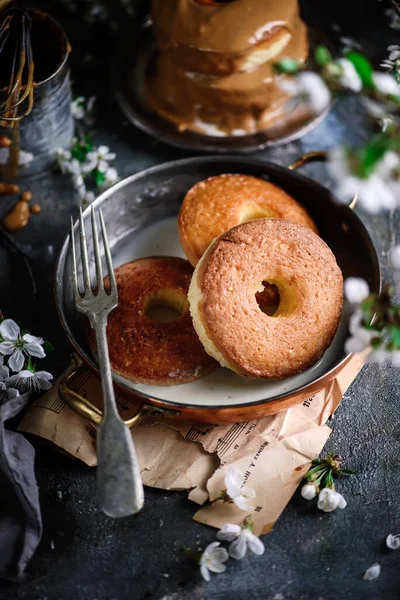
(119, 483)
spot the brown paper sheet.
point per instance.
(273, 453)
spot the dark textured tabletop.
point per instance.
(85, 555)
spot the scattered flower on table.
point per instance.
(19, 348)
(4, 371)
(7, 393)
(329, 500)
(311, 89)
(356, 290)
(320, 480)
(374, 193)
(372, 573)
(87, 165)
(16, 345)
(78, 108)
(31, 381)
(349, 78)
(394, 18)
(241, 538)
(213, 559)
(309, 491)
(386, 84)
(393, 541)
(392, 63)
(98, 159)
(235, 490)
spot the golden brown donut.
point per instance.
(225, 312)
(148, 351)
(215, 205)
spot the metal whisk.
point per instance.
(16, 66)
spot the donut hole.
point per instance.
(164, 306)
(249, 212)
(269, 298)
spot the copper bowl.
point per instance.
(140, 214)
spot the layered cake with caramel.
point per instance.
(213, 72)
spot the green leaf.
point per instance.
(48, 347)
(99, 177)
(291, 66)
(349, 471)
(363, 68)
(373, 152)
(395, 331)
(322, 56)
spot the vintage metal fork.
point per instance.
(119, 483)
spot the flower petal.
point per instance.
(243, 503)
(12, 393)
(32, 339)
(9, 330)
(342, 502)
(372, 573)
(229, 532)
(216, 567)
(7, 347)
(205, 573)
(4, 372)
(218, 555)
(256, 545)
(237, 549)
(16, 361)
(393, 541)
(35, 349)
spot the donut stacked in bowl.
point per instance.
(213, 73)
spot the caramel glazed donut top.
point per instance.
(147, 351)
(214, 72)
(225, 312)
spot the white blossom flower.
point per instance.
(395, 358)
(78, 108)
(349, 77)
(7, 393)
(64, 157)
(309, 491)
(372, 573)
(89, 197)
(392, 63)
(235, 490)
(4, 370)
(98, 159)
(241, 538)
(394, 18)
(17, 345)
(329, 500)
(393, 541)
(360, 336)
(28, 381)
(386, 84)
(212, 560)
(111, 176)
(375, 193)
(311, 89)
(356, 290)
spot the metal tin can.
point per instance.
(50, 125)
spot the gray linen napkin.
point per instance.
(20, 517)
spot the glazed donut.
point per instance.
(225, 312)
(142, 349)
(213, 72)
(215, 205)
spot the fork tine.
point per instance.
(84, 255)
(111, 274)
(99, 270)
(73, 255)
